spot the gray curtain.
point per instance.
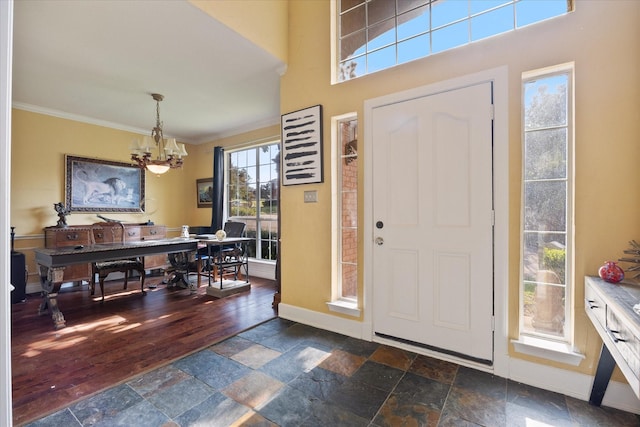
(217, 214)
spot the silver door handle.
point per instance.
(379, 241)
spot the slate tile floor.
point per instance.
(282, 373)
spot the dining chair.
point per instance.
(208, 261)
(232, 253)
(113, 232)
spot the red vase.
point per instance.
(611, 272)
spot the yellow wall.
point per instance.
(264, 22)
(602, 39)
(39, 144)
(38, 147)
(607, 129)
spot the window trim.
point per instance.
(347, 306)
(225, 208)
(552, 348)
(336, 35)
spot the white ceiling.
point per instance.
(99, 61)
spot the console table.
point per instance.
(610, 309)
(54, 262)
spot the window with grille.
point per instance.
(348, 176)
(547, 207)
(345, 166)
(252, 196)
(377, 34)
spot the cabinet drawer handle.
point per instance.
(73, 236)
(592, 304)
(153, 232)
(615, 339)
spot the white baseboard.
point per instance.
(265, 270)
(351, 328)
(577, 385)
(574, 384)
(33, 288)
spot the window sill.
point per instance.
(559, 352)
(345, 307)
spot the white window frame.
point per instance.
(348, 306)
(336, 34)
(227, 169)
(553, 348)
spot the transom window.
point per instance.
(252, 196)
(377, 34)
(547, 205)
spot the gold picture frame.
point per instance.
(204, 192)
(94, 185)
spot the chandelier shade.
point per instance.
(169, 153)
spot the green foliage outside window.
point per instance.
(252, 195)
(554, 260)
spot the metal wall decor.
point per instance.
(302, 146)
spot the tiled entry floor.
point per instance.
(287, 374)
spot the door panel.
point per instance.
(432, 190)
(401, 182)
(403, 297)
(451, 300)
(451, 162)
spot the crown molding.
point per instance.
(77, 117)
(93, 121)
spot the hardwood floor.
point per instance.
(105, 344)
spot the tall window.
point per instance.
(377, 34)
(252, 196)
(348, 209)
(547, 206)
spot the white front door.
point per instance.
(433, 221)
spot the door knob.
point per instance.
(379, 241)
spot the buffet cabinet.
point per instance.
(85, 235)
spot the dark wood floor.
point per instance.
(105, 344)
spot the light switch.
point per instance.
(311, 196)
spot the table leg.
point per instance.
(199, 269)
(603, 375)
(180, 263)
(51, 281)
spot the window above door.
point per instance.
(374, 35)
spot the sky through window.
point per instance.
(373, 39)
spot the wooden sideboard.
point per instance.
(610, 309)
(85, 235)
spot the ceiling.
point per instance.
(100, 61)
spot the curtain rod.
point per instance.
(247, 143)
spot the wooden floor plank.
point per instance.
(105, 344)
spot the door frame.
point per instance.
(6, 49)
(499, 77)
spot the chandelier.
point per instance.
(169, 153)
